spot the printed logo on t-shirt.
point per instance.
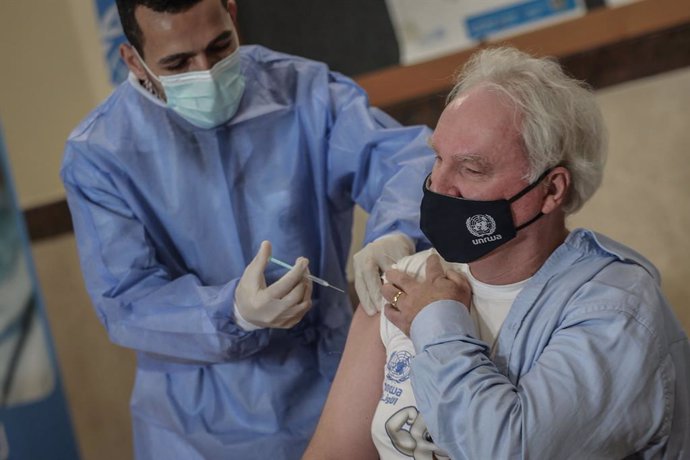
(408, 434)
(398, 367)
(397, 372)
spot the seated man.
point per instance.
(528, 340)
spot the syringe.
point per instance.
(311, 277)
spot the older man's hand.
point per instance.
(407, 296)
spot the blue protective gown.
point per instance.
(167, 216)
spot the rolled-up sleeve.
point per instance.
(599, 389)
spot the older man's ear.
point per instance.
(557, 185)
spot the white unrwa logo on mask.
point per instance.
(482, 226)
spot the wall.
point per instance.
(57, 74)
(643, 201)
(97, 375)
(52, 75)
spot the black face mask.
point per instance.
(464, 230)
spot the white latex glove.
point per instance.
(280, 305)
(374, 259)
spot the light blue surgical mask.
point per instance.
(205, 98)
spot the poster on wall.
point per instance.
(432, 28)
(111, 39)
(34, 420)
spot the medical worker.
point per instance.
(174, 183)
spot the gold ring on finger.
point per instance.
(396, 297)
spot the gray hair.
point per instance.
(561, 125)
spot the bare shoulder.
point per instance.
(344, 430)
(361, 321)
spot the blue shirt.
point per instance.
(167, 216)
(591, 363)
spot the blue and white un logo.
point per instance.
(481, 225)
(398, 366)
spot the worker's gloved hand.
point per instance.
(374, 259)
(280, 305)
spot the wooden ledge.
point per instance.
(596, 29)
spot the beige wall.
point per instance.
(97, 375)
(643, 201)
(54, 74)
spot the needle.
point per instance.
(311, 277)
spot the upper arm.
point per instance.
(344, 430)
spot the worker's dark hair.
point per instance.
(126, 8)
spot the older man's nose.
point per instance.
(441, 182)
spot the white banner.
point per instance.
(426, 29)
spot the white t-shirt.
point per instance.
(397, 428)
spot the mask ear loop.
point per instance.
(527, 190)
(427, 182)
(148, 84)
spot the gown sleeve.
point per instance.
(386, 162)
(141, 305)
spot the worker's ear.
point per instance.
(557, 185)
(232, 9)
(129, 55)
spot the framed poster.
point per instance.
(427, 29)
(34, 420)
(112, 37)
